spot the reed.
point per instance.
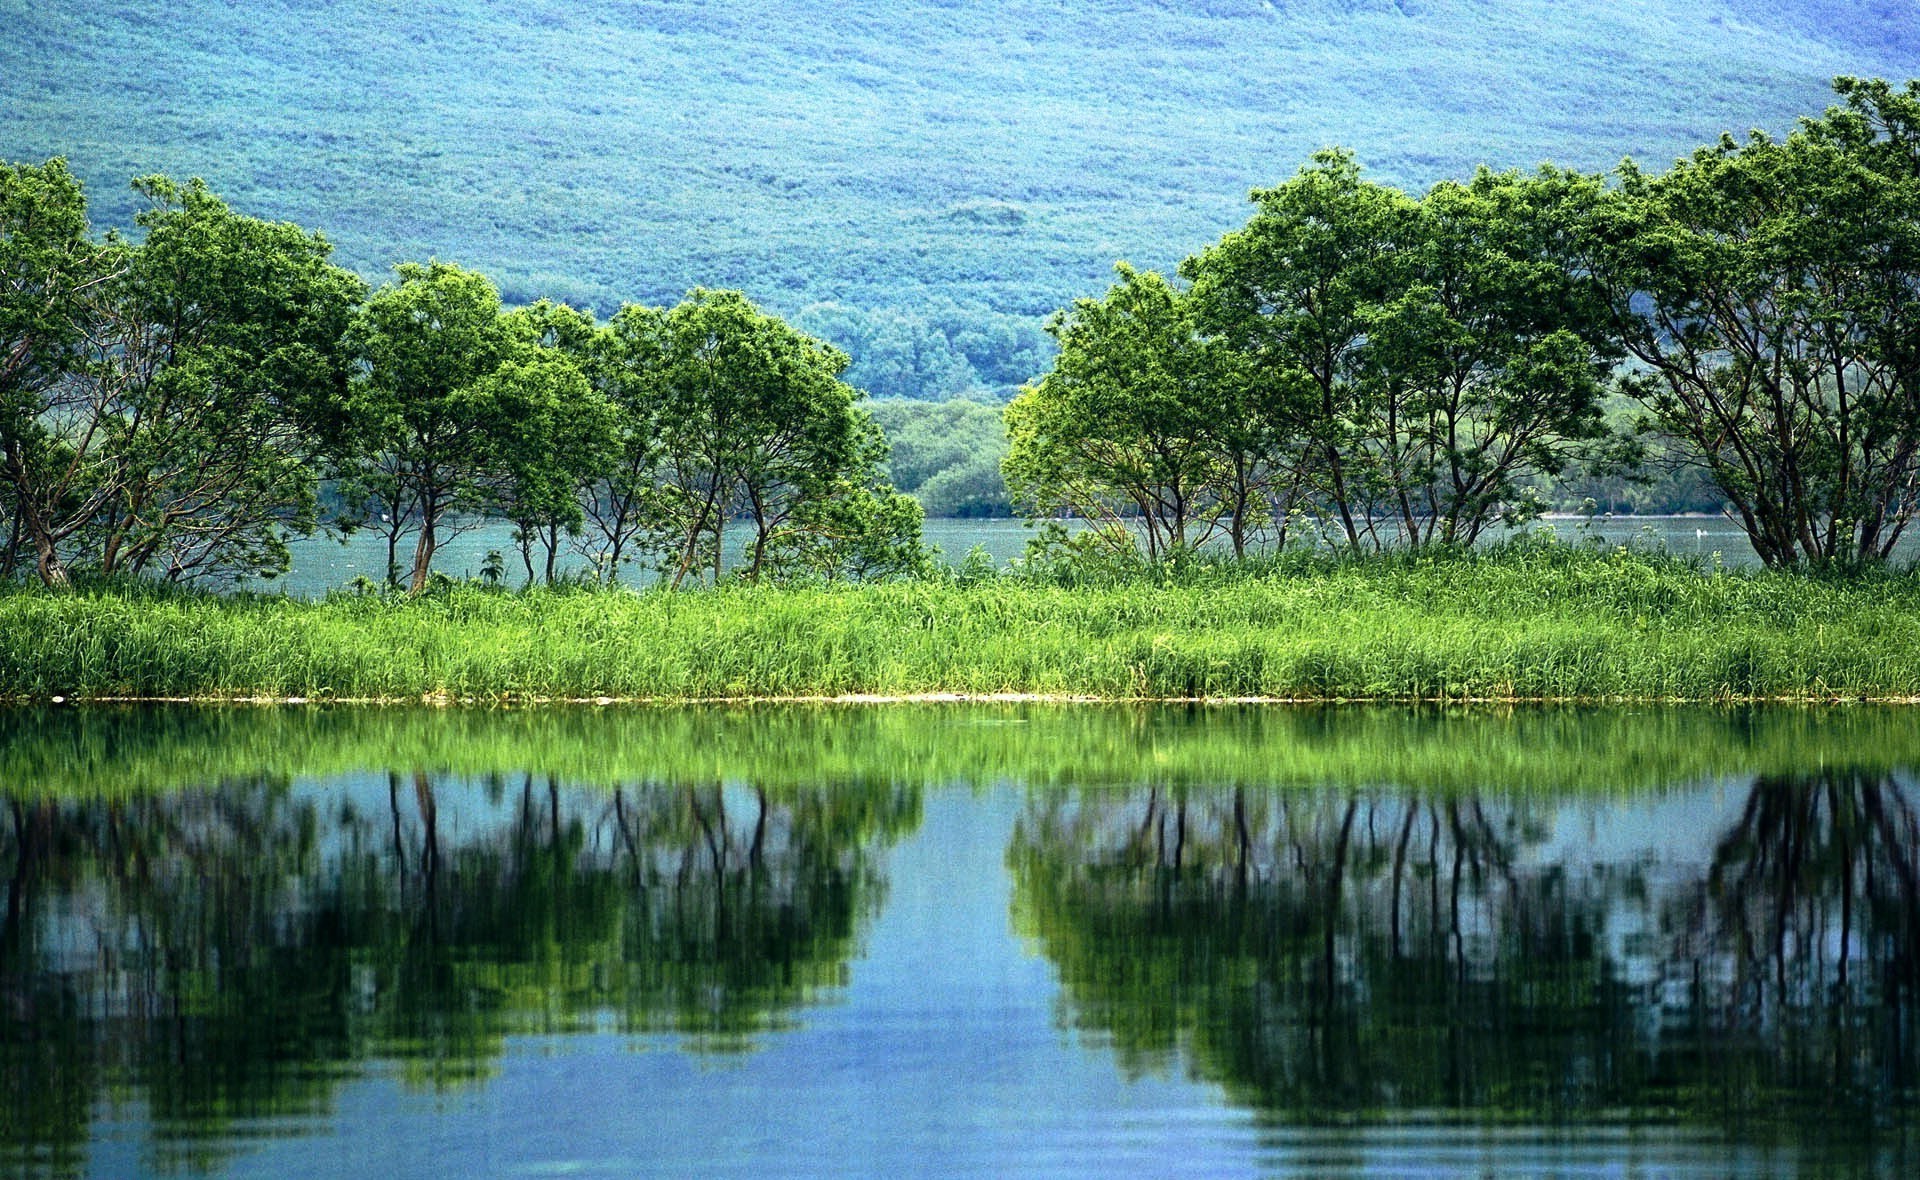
(1530, 623)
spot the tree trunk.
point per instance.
(53, 571)
(423, 553)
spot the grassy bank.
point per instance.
(1545, 623)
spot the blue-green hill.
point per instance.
(941, 174)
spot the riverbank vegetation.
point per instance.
(170, 407)
(1544, 622)
(1392, 371)
(1357, 369)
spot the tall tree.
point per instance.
(1426, 357)
(751, 419)
(575, 443)
(620, 507)
(1485, 360)
(220, 348)
(1295, 292)
(1769, 291)
(177, 423)
(1129, 419)
(46, 263)
(457, 404)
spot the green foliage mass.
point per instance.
(947, 455)
(889, 158)
(169, 406)
(1400, 371)
(1764, 291)
(1537, 622)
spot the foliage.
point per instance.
(574, 438)
(1398, 368)
(750, 419)
(936, 351)
(886, 156)
(460, 408)
(1422, 359)
(171, 404)
(46, 261)
(946, 455)
(183, 430)
(1767, 290)
(1485, 365)
(1129, 419)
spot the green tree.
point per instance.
(751, 419)
(1425, 358)
(178, 423)
(1295, 292)
(46, 262)
(1123, 425)
(946, 455)
(620, 507)
(218, 357)
(570, 439)
(858, 527)
(1767, 291)
(459, 406)
(1485, 360)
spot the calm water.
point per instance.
(959, 941)
(321, 564)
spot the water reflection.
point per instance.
(228, 956)
(1382, 956)
(1673, 935)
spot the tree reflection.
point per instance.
(225, 957)
(1379, 955)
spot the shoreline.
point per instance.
(1553, 625)
(451, 701)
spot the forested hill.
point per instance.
(921, 181)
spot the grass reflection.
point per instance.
(127, 750)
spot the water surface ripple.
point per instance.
(958, 940)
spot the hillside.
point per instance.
(927, 169)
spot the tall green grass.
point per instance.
(1535, 623)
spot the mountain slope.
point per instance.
(879, 154)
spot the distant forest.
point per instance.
(1357, 366)
(919, 183)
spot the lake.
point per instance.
(323, 563)
(959, 940)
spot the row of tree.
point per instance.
(1399, 370)
(170, 407)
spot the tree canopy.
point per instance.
(1769, 291)
(169, 406)
(171, 402)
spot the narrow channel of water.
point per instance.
(1028, 940)
(322, 563)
